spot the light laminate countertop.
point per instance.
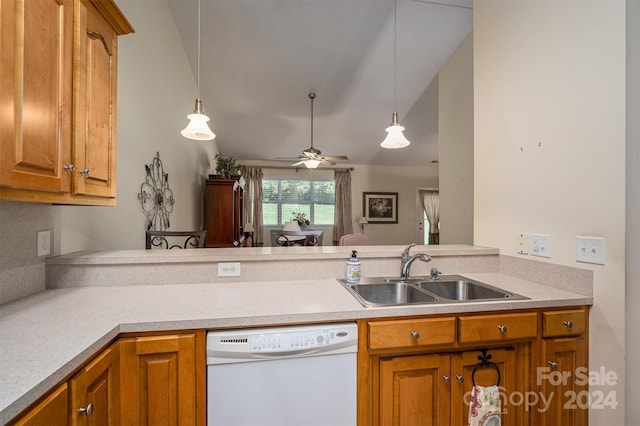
(45, 337)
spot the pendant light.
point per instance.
(395, 138)
(198, 129)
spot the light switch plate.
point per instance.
(44, 243)
(540, 245)
(590, 250)
(229, 269)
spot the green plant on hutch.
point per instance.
(226, 166)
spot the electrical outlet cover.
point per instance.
(44, 243)
(540, 245)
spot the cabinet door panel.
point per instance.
(561, 359)
(52, 411)
(35, 122)
(462, 366)
(97, 385)
(94, 104)
(414, 391)
(159, 380)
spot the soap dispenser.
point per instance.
(353, 268)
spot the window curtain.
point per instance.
(431, 206)
(253, 201)
(342, 222)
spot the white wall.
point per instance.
(455, 144)
(156, 90)
(633, 212)
(550, 147)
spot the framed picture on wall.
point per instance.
(380, 207)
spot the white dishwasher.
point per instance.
(282, 376)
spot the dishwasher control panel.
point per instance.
(258, 343)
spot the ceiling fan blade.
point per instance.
(325, 162)
(299, 163)
(335, 157)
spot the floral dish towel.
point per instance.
(484, 409)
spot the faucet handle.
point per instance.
(405, 253)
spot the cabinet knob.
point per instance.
(459, 378)
(502, 328)
(86, 410)
(415, 335)
(446, 379)
(84, 172)
(553, 364)
(69, 167)
(569, 324)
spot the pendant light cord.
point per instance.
(198, 77)
(312, 96)
(395, 55)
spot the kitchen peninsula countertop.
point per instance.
(45, 337)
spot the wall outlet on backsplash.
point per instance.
(43, 243)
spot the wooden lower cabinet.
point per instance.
(159, 383)
(414, 391)
(95, 391)
(435, 389)
(51, 411)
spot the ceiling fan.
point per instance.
(312, 157)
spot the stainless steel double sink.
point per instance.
(424, 290)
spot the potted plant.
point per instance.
(226, 166)
(301, 218)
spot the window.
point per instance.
(282, 197)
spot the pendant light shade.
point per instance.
(198, 129)
(395, 136)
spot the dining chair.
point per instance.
(167, 239)
(353, 240)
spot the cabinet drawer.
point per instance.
(411, 333)
(564, 323)
(482, 328)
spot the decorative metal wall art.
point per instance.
(155, 196)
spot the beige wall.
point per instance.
(550, 147)
(633, 213)
(403, 180)
(455, 142)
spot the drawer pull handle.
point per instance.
(502, 328)
(69, 167)
(84, 172)
(415, 335)
(553, 364)
(569, 324)
(459, 378)
(446, 379)
(86, 410)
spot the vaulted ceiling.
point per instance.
(260, 58)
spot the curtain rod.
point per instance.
(297, 168)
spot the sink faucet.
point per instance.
(406, 261)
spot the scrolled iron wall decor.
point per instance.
(155, 196)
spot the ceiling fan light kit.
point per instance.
(198, 129)
(312, 157)
(395, 138)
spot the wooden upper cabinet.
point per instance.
(35, 106)
(58, 108)
(94, 118)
